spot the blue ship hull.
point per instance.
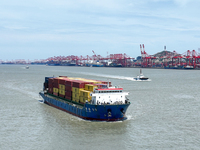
(88, 111)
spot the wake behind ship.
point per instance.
(88, 99)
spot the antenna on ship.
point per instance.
(108, 83)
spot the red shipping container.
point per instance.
(68, 82)
(55, 94)
(55, 85)
(50, 85)
(68, 93)
(67, 97)
(63, 76)
(80, 84)
(51, 80)
(62, 81)
(60, 95)
(56, 80)
(68, 88)
(50, 90)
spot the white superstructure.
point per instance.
(109, 96)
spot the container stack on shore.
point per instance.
(73, 89)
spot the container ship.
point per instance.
(88, 99)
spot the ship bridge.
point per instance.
(109, 96)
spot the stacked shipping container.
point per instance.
(75, 89)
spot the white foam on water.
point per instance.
(110, 76)
(20, 89)
(183, 96)
(113, 76)
(129, 117)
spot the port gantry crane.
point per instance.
(147, 60)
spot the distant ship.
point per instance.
(64, 63)
(94, 64)
(188, 67)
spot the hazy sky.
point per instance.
(38, 29)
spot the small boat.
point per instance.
(141, 77)
(27, 67)
(188, 67)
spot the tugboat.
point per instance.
(141, 77)
(92, 100)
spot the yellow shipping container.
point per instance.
(97, 82)
(81, 99)
(73, 99)
(81, 92)
(62, 92)
(77, 100)
(86, 80)
(90, 87)
(84, 99)
(76, 90)
(61, 86)
(88, 98)
(71, 78)
(75, 95)
(55, 90)
(86, 93)
(86, 87)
